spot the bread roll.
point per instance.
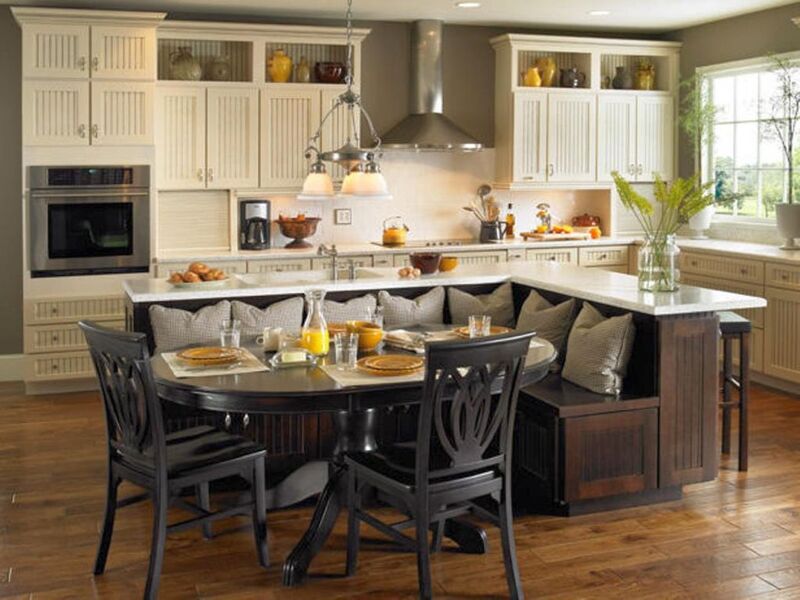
(191, 277)
(198, 268)
(175, 278)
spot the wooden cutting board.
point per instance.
(554, 237)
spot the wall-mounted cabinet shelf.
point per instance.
(582, 61)
(217, 60)
(630, 63)
(312, 53)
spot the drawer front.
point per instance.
(318, 264)
(60, 337)
(606, 255)
(754, 315)
(272, 266)
(229, 266)
(740, 269)
(560, 255)
(781, 332)
(481, 258)
(516, 255)
(383, 260)
(783, 276)
(66, 310)
(401, 260)
(614, 268)
(64, 365)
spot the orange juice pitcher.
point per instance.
(315, 336)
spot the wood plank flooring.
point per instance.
(736, 537)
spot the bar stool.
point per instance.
(735, 327)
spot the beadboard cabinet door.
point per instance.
(181, 137)
(122, 113)
(616, 136)
(337, 128)
(123, 52)
(232, 138)
(530, 136)
(55, 52)
(571, 137)
(56, 113)
(288, 119)
(654, 137)
(781, 334)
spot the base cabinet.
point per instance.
(782, 334)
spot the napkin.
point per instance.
(414, 341)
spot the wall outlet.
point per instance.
(342, 216)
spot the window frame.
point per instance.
(739, 67)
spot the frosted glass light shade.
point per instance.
(317, 184)
(371, 184)
(352, 183)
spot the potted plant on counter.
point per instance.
(783, 112)
(696, 120)
(676, 204)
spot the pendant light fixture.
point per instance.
(364, 178)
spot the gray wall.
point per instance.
(10, 186)
(747, 36)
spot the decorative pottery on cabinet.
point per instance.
(184, 66)
(572, 78)
(302, 73)
(547, 70)
(219, 69)
(645, 76)
(531, 78)
(622, 80)
(279, 67)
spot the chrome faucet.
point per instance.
(333, 254)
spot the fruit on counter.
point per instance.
(409, 273)
(297, 219)
(541, 229)
(595, 233)
(562, 229)
(196, 273)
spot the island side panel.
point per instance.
(688, 389)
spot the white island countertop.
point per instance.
(594, 285)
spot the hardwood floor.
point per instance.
(736, 537)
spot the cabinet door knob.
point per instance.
(82, 130)
(95, 131)
(785, 277)
(81, 62)
(743, 271)
(550, 169)
(55, 338)
(95, 63)
(631, 169)
(210, 174)
(200, 174)
(54, 310)
(640, 171)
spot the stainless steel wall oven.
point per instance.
(88, 220)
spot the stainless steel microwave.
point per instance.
(88, 220)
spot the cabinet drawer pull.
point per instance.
(693, 263)
(603, 257)
(54, 311)
(743, 271)
(55, 338)
(527, 178)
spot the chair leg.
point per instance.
(423, 551)
(108, 521)
(438, 535)
(160, 503)
(509, 546)
(727, 373)
(204, 502)
(353, 523)
(744, 398)
(260, 511)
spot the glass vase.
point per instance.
(315, 337)
(658, 264)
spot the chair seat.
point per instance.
(196, 448)
(731, 323)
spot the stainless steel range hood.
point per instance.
(426, 128)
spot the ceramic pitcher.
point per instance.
(279, 67)
(572, 78)
(531, 78)
(183, 66)
(547, 70)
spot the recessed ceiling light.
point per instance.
(468, 4)
(599, 13)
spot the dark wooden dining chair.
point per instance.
(164, 464)
(461, 461)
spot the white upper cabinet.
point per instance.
(571, 138)
(616, 136)
(655, 127)
(288, 119)
(56, 113)
(120, 52)
(232, 138)
(122, 113)
(530, 136)
(55, 51)
(181, 137)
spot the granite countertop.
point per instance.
(594, 285)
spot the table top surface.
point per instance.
(301, 389)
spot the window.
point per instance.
(744, 155)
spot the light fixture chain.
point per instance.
(349, 36)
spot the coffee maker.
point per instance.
(254, 231)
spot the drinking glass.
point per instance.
(230, 333)
(480, 325)
(375, 316)
(346, 350)
(288, 340)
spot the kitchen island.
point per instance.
(577, 451)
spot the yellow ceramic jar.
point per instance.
(531, 78)
(547, 70)
(645, 78)
(279, 67)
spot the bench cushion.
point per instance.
(499, 305)
(551, 323)
(598, 350)
(287, 314)
(402, 312)
(175, 328)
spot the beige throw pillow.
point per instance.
(287, 314)
(403, 312)
(175, 328)
(499, 305)
(356, 309)
(550, 322)
(598, 351)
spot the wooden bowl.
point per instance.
(448, 263)
(329, 72)
(298, 231)
(369, 334)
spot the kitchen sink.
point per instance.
(302, 277)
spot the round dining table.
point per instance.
(304, 390)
